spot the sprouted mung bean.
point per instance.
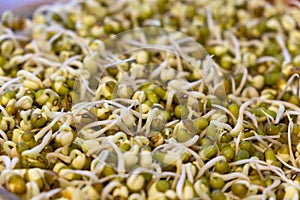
(151, 128)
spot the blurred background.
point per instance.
(23, 7)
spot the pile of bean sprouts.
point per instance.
(151, 99)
